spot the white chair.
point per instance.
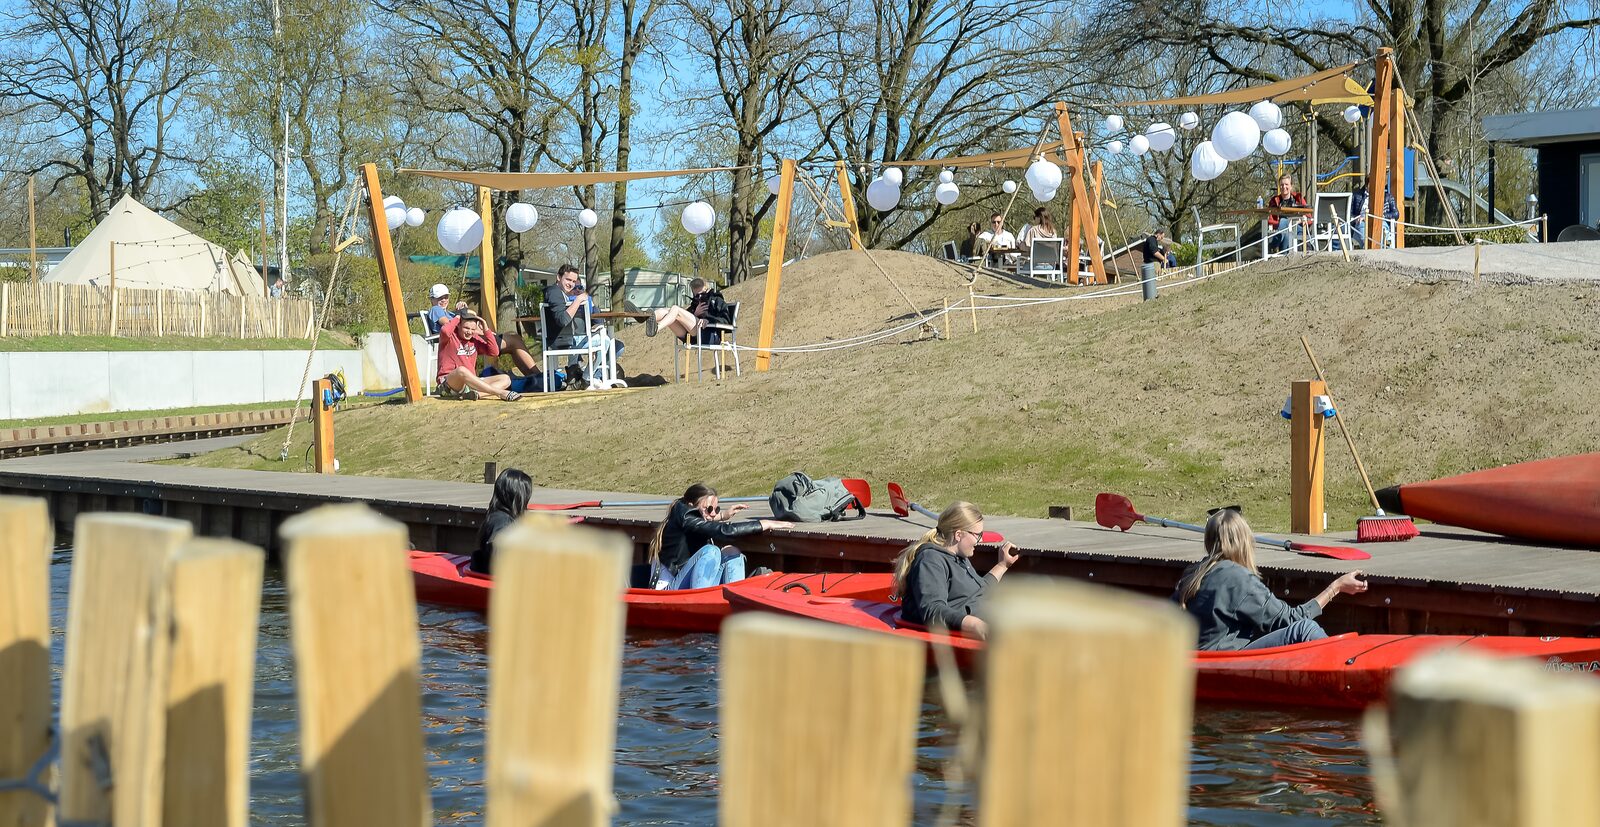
(430, 361)
(1044, 258)
(1226, 231)
(729, 344)
(951, 251)
(1330, 221)
(590, 349)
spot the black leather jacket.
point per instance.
(687, 531)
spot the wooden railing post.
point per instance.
(25, 714)
(553, 697)
(322, 426)
(356, 669)
(1306, 507)
(794, 769)
(780, 238)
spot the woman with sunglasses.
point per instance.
(689, 550)
(934, 578)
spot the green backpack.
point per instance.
(800, 499)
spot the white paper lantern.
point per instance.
(415, 216)
(460, 231)
(1139, 145)
(1352, 113)
(882, 195)
(1267, 115)
(947, 193)
(395, 216)
(521, 217)
(1114, 123)
(1161, 136)
(774, 181)
(1205, 164)
(1044, 197)
(1276, 141)
(1008, 186)
(946, 176)
(1115, 147)
(1043, 175)
(393, 201)
(1235, 136)
(698, 217)
(588, 219)
(895, 176)
(1188, 120)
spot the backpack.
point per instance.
(800, 499)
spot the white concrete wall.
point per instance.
(63, 384)
(382, 369)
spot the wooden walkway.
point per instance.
(1448, 580)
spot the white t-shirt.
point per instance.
(1004, 240)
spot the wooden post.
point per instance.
(489, 298)
(5, 315)
(160, 322)
(113, 690)
(60, 308)
(266, 280)
(1486, 741)
(847, 200)
(1091, 698)
(1397, 163)
(202, 314)
(33, 238)
(972, 303)
(1095, 199)
(1544, 228)
(216, 606)
(775, 767)
(946, 320)
(112, 321)
(356, 666)
(1080, 196)
(1071, 256)
(322, 426)
(1378, 144)
(1305, 458)
(393, 299)
(780, 237)
(25, 541)
(553, 698)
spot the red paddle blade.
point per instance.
(562, 506)
(1336, 552)
(898, 501)
(992, 538)
(1115, 511)
(860, 489)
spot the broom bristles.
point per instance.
(1385, 529)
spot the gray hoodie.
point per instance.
(1234, 608)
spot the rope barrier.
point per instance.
(1409, 226)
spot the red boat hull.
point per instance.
(1549, 500)
(1349, 671)
(444, 580)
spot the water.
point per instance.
(1249, 766)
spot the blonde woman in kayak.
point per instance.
(934, 578)
(1236, 610)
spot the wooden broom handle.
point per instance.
(1306, 343)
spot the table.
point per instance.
(1265, 212)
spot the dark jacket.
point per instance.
(711, 306)
(687, 532)
(944, 587)
(492, 524)
(1234, 608)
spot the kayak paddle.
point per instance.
(858, 488)
(1116, 511)
(903, 508)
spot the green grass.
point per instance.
(327, 340)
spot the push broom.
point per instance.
(1381, 527)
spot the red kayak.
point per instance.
(445, 580)
(1348, 671)
(1550, 500)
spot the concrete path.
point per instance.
(1514, 263)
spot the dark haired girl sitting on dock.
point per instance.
(689, 550)
(1235, 609)
(512, 490)
(934, 578)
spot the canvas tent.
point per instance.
(153, 253)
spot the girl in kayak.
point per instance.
(934, 578)
(512, 490)
(1235, 609)
(690, 548)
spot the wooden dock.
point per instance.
(1447, 581)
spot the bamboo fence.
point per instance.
(90, 310)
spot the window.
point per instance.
(1589, 189)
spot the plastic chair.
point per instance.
(590, 348)
(430, 335)
(1330, 221)
(729, 344)
(1200, 240)
(1044, 258)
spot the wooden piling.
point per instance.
(1088, 702)
(25, 713)
(322, 427)
(841, 746)
(1306, 452)
(553, 697)
(356, 660)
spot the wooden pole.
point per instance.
(25, 541)
(118, 647)
(782, 770)
(322, 426)
(1096, 200)
(1091, 698)
(111, 322)
(489, 296)
(33, 238)
(972, 302)
(1305, 458)
(1073, 144)
(847, 200)
(780, 237)
(216, 606)
(393, 299)
(356, 661)
(1073, 253)
(553, 698)
(946, 319)
(1484, 741)
(1377, 145)
(1397, 162)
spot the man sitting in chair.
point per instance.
(1286, 197)
(997, 237)
(564, 304)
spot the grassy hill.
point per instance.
(1173, 402)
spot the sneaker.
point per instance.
(512, 396)
(469, 394)
(650, 327)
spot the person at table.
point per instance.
(566, 305)
(997, 240)
(1235, 609)
(691, 547)
(512, 490)
(461, 339)
(970, 245)
(1040, 227)
(1285, 197)
(1153, 251)
(934, 579)
(1358, 212)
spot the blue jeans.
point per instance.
(1300, 631)
(1282, 238)
(710, 566)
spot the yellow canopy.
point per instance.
(1327, 86)
(1003, 159)
(511, 181)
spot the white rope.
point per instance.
(1408, 225)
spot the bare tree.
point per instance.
(635, 32)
